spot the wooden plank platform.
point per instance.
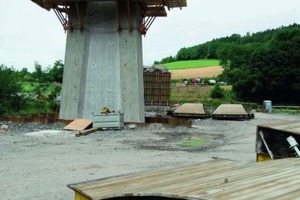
(78, 125)
(215, 179)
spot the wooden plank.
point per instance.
(86, 132)
(239, 176)
(160, 184)
(249, 185)
(149, 178)
(168, 3)
(283, 125)
(78, 125)
(152, 11)
(272, 179)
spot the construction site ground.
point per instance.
(39, 163)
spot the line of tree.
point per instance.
(262, 65)
(268, 70)
(210, 49)
(24, 92)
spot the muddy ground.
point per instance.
(39, 164)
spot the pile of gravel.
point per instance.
(18, 128)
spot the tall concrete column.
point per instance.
(103, 66)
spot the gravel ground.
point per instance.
(38, 161)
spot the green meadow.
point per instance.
(192, 64)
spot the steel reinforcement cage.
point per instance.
(157, 87)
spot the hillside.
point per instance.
(211, 49)
(188, 64)
(259, 66)
(194, 68)
(202, 72)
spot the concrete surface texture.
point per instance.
(103, 66)
(40, 165)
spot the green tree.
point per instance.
(55, 73)
(167, 60)
(10, 95)
(38, 74)
(268, 70)
(217, 92)
(182, 54)
(25, 75)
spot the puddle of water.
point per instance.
(194, 142)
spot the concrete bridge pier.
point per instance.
(103, 62)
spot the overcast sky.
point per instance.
(29, 33)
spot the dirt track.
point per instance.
(197, 72)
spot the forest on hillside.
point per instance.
(262, 65)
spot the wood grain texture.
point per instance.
(215, 179)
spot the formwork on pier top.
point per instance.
(150, 4)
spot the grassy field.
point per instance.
(192, 64)
(199, 94)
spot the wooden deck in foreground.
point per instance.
(215, 179)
